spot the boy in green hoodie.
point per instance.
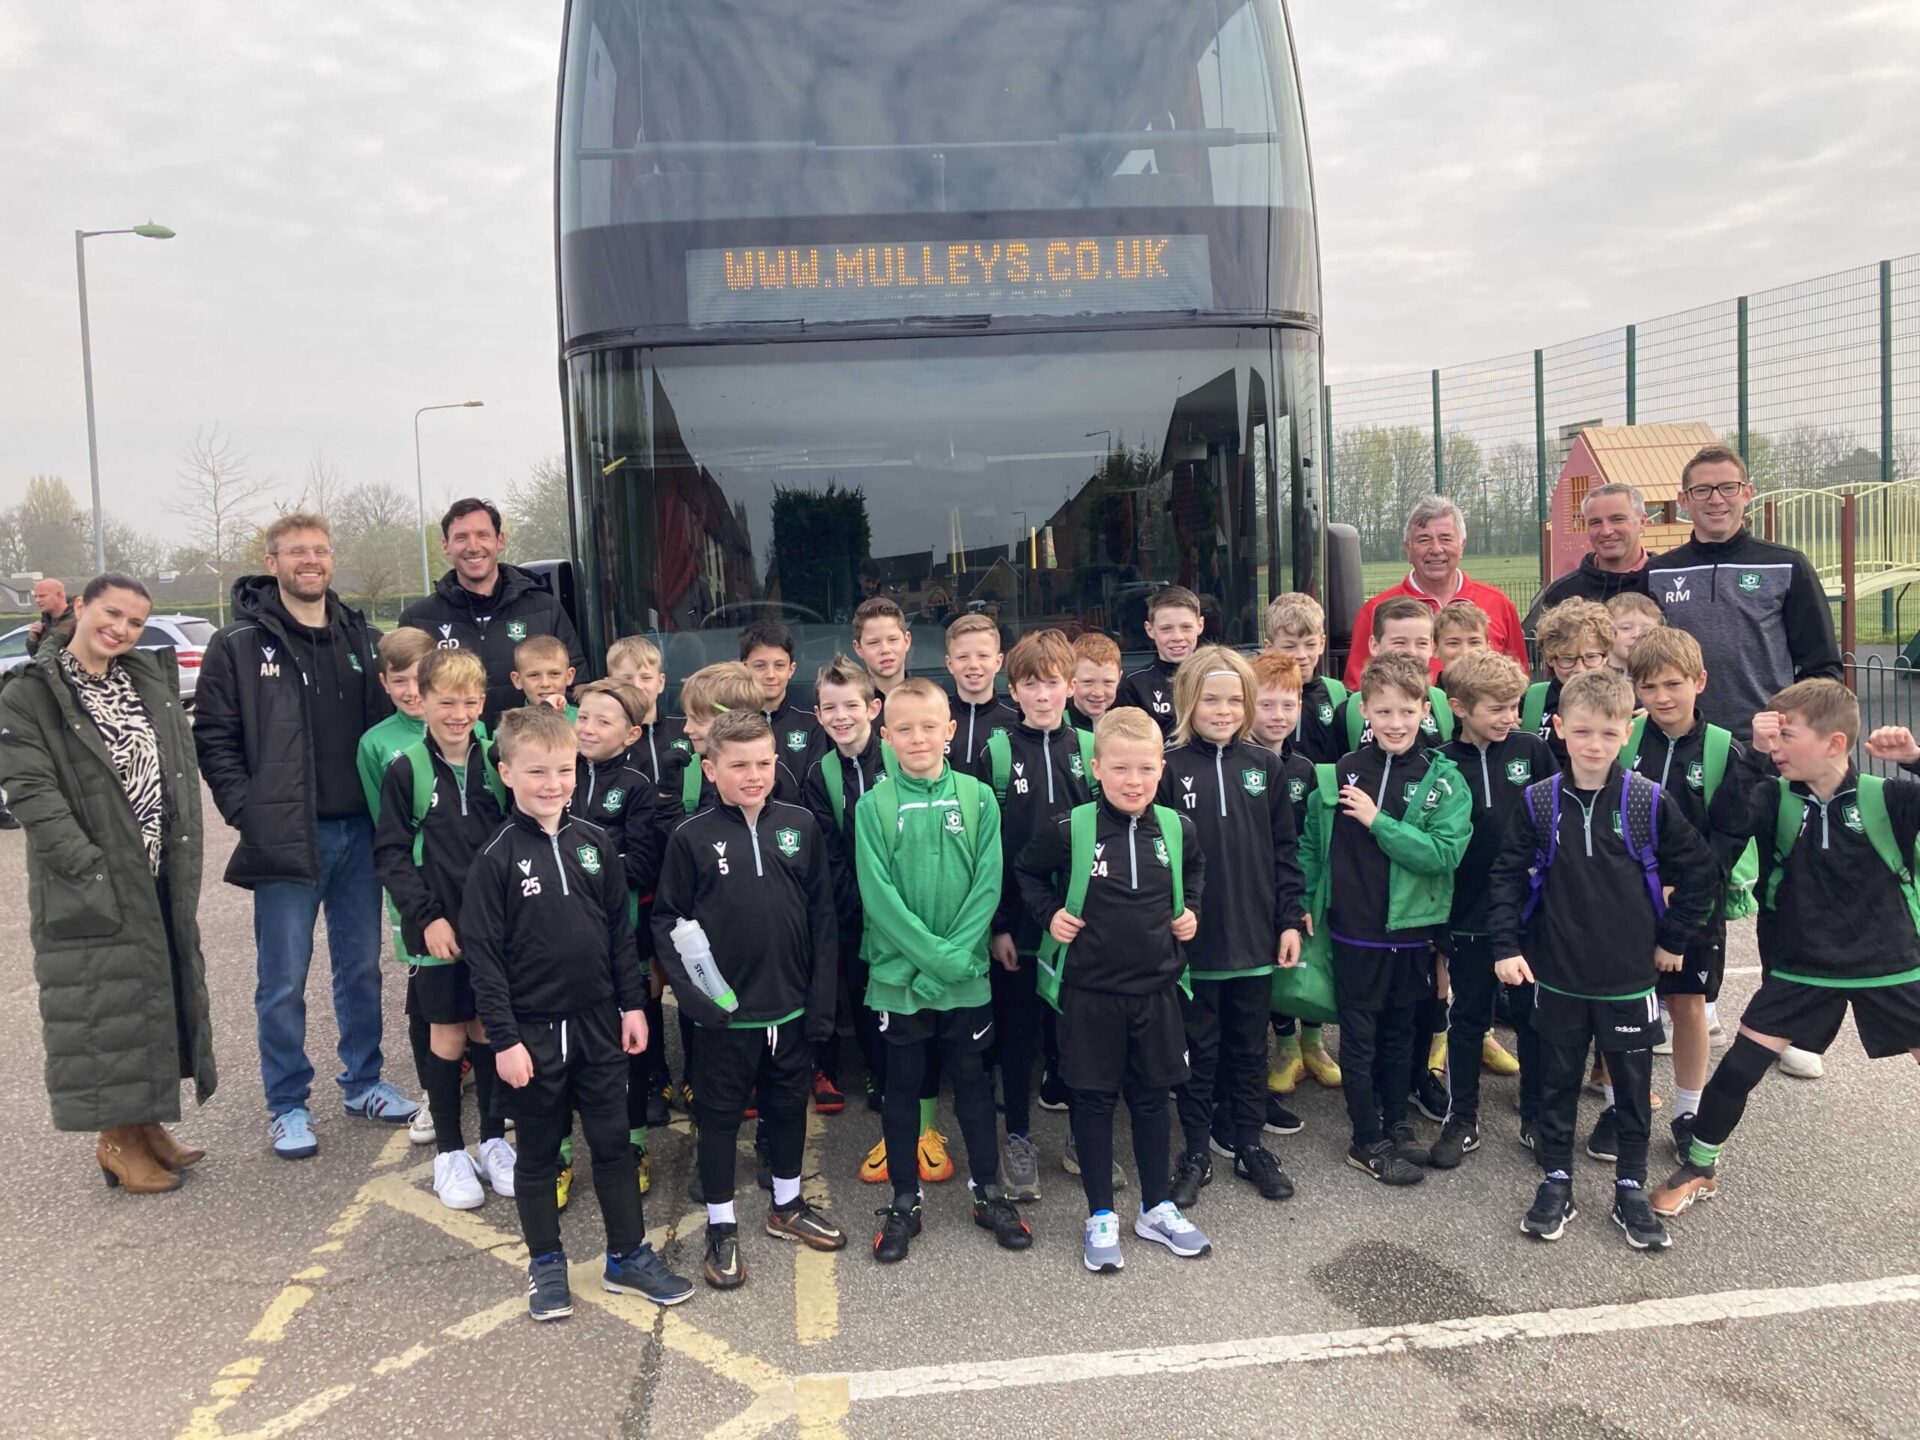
(401, 651)
(927, 854)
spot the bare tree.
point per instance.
(130, 551)
(380, 563)
(322, 490)
(220, 499)
(536, 509)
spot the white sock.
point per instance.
(720, 1214)
(1687, 1101)
(1608, 1089)
(785, 1192)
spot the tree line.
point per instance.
(225, 504)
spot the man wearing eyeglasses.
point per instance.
(285, 693)
(1758, 609)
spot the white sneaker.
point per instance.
(1801, 1064)
(420, 1128)
(456, 1182)
(1665, 1047)
(496, 1167)
(1716, 1032)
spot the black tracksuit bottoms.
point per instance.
(1226, 1024)
(578, 1068)
(772, 1062)
(1470, 1012)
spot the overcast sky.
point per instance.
(363, 199)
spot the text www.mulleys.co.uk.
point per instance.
(1013, 262)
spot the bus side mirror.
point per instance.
(556, 578)
(1346, 584)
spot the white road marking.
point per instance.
(984, 1375)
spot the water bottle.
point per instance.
(697, 955)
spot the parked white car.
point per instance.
(185, 635)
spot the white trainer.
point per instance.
(420, 1128)
(456, 1182)
(496, 1167)
(1801, 1064)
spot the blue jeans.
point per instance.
(283, 919)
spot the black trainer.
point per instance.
(1257, 1164)
(873, 1096)
(1636, 1219)
(1604, 1142)
(797, 1220)
(1280, 1120)
(659, 1112)
(1458, 1138)
(1429, 1095)
(1526, 1133)
(994, 1211)
(1053, 1092)
(1683, 1136)
(1407, 1145)
(548, 1295)
(898, 1228)
(1193, 1172)
(1379, 1161)
(1552, 1209)
(723, 1268)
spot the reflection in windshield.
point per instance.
(1041, 482)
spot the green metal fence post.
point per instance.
(1744, 387)
(1439, 448)
(1886, 422)
(1540, 457)
(1633, 376)
(1326, 446)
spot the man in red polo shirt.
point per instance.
(1436, 539)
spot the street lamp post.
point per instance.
(148, 231)
(420, 485)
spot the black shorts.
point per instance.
(1703, 967)
(965, 1031)
(1610, 1024)
(1108, 1041)
(1809, 1016)
(440, 994)
(733, 1061)
(1381, 977)
(578, 1066)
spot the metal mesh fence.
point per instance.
(1818, 382)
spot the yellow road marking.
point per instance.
(816, 1289)
(821, 1402)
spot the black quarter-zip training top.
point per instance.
(1127, 946)
(544, 929)
(1045, 780)
(1497, 776)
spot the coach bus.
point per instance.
(1009, 308)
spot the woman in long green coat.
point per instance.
(97, 760)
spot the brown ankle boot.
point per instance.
(126, 1161)
(169, 1151)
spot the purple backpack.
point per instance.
(1639, 831)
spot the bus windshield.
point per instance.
(1040, 480)
(686, 110)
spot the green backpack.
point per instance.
(1306, 991)
(1436, 697)
(1081, 825)
(836, 782)
(690, 781)
(1533, 708)
(1000, 756)
(1717, 745)
(1874, 820)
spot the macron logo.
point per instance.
(720, 847)
(1186, 782)
(526, 867)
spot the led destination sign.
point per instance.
(1057, 275)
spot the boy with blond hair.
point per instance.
(1499, 760)
(1633, 616)
(1116, 885)
(1296, 626)
(1458, 628)
(974, 661)
(927, 852)
(635, 660)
